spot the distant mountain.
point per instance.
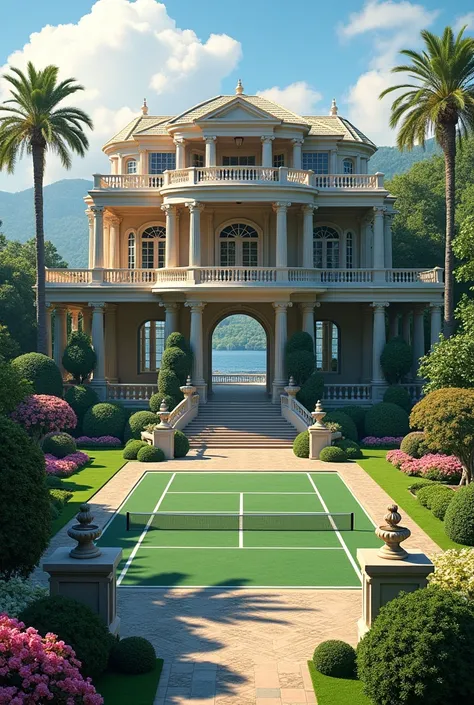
(65, 222)
(391, 161)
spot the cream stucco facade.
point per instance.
(239, 205)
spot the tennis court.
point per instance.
(281, 529)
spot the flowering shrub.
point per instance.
(40, 414)
(65, 466)
(16, 594)
(434, 466)
(382, 442)
(36, 669)
(99, 442)
(397, 457)
(454, 570)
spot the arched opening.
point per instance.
(239, 356)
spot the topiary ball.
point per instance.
(169, 384)
(104, 419)
(149, 454)
(41, 371)
(335, 658)
(349, 429)
(181, 444)
(459, 517)
(137, 423)
(351, 448)
(131, 449)
(177, 340)
(76, 624)
(177, 360)
(133, 655)
(386, 419)
(301, 445)
(59, 445)
(156, 399)
(399, 396)
(80, 398)
(440, 503)
(300, 341)
(414, 444)
(357, 414)
(333, 454)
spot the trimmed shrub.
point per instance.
(181, 444)
(420, 649)
(335, 658)
(399, 396)
(301, 445)
(26, 508)
(104, 419)
(459, 518)
(13, 387)
(414, 444)
(59, 498)
(349, 429)
(351, 449)
(454, 571)
(311, 391)
(16, 594)
(177, 360)
(386, 419)
(79, 357)
(300, 341)
(149, 454)
(357, 414)
(440, 503)
(426, 495)
(137, 422)
(59, 444)
(133, 655)
(333, 454)
(80, 398)
(156, 399)
(396, 360)
(131, 449)
(419, 484)
(177, 340)
(76, 624)
(300, 365)
(169, 384)
(41, 371)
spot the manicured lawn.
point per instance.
(396, 483)
(121, 689)
(336, 691)
(88, 480)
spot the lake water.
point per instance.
(239, 361)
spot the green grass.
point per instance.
(396, 483)
(87, 481)
(336, 691)
(123, 689)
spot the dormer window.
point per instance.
(348, 166)
(132, 166)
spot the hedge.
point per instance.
(41, 371)
(459, 518)
(399, 396)
(357, 414)
(105, 419)
(386, 419)
(80, 398)
(349, 429)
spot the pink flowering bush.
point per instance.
(382, 442)
(99, 442)
(434, 466)
(397, 457)
(36, 669)
(40, 414)
(65, 466)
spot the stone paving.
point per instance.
(239, 647)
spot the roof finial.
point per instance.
(333, 110)
(239, 89)
(144, 107)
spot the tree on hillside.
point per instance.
(440, 102)
(35, 124)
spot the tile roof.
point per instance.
(139, 124)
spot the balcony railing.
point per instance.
(128, 181)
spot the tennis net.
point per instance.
(202, 521)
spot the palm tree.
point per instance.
(34, 124)
(440, 102)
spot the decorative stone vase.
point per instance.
(85, 533)
(292, 389)
(188, 389)
(164, 414)
(392, 535)
(318, 415)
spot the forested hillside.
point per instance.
(390, 161)
(239, 333)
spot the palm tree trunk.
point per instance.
(449, 149)
(38, 172)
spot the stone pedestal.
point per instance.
(90, 581)
(319, 438)
(383, 580)
(161, 437)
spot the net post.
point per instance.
(128, 521)
(352, 521)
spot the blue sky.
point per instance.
(299, 52)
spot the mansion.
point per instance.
(240, 206)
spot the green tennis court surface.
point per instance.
(239, 557)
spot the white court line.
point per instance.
(338, 533)
(222, 588)
(360, 505)
(253, 548)
(250, 472)
(237, 492)
(241, 520)
(144, 532)
(117, 511)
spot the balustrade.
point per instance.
(239, 378)
(130, 392)
(347, 392)
(128, 181)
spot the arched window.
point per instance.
(153, 247)
(238, 246)
(349, 250)
(132, 166)
(131, 250)
(327, 346)
(325, 247)
(151, 343)
(348, 166)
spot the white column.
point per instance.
(98, 343)
(98, 215)
(418, 337)
(333, 161)
(74, 320)
(379, 257)
(87, 321)
(114, 239)
(171, 259)
(367, 331)
(90, 218)
(378, 340)
(281, 208)
(267, 150)
(357, 164)
(142, 161)
(297, 148)
(281, 333)
(195, 209)
(120, 163)
(180, 152)
(406, 326)
(60, 335)
(196, 341)
(436, 322)
(210, 151)
(387, 236)
(307, 315)
(111, 371)
(171, 318)
(49, 333)
(308, 211)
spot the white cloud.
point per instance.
(123, 51)
(464, 20)
(299, 97)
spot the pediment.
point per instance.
(238, 111)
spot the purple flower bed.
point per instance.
(65, 466)
(99, 442)
(434, 466)
(383, 442)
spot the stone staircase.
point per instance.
(239, 423)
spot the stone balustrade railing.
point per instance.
(239, 378)
(348, 393)
(184, 412)
(128, 181)
(295, 413)
(130, 392)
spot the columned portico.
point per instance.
(171, 317)
(281, 209)
(195, 210)
(267, 150)
(378, 344)
(436, 322)
(281, 334)
(98, 343)
(60, 335)
(196, 341)
(171, 252)
(308, 211)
